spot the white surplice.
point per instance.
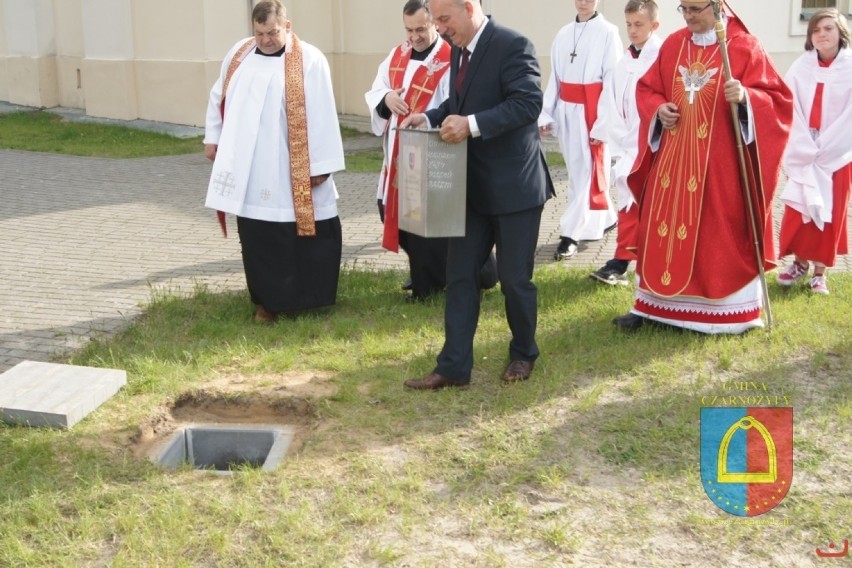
(251, 173)
(618, 121)
(598, 48)
(812, 158)
(381, 87)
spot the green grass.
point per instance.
(40, 131)
(598, 452)
(368, 161)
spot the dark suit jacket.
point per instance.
(506, 171)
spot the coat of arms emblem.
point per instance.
(746, 458)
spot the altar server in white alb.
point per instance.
(413, 78)
(819, 156)
(583, 56)
(274, 139)
(620, 120)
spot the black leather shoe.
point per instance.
(566, 249)
(434, 381)
(610, 276)
(407, 284)
(629, 322)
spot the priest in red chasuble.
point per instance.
(697, 266)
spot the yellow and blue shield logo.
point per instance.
(746, 457)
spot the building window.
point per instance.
(802, 10)
(809, 7)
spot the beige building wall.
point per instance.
(69, 53)
(156, 59)
(30, 53)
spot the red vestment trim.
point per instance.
(588, 96)
(806, 240)
(628, 228)
(698, 317)
(815, 120)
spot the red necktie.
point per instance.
(462, 69)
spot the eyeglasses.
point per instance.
(692, 10)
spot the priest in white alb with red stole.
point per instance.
(413, 78)
(273, 135)
(583, 55)
(697, 266)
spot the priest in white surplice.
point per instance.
(413, 78)
(273, 134)
(583, 55)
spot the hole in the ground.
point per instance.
(240, 429)
(225, 448)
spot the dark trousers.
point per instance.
(288, 273)
(427, 263)
(515, 236)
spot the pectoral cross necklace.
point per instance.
(573, 54)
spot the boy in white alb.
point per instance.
(583, 55)
(621, 120)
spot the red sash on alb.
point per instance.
(423, 85)
(588, 95)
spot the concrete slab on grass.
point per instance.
(58, 396)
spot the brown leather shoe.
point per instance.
(518, 371)
(433, 381)
(262, 316)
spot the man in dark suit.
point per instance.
(494, 104)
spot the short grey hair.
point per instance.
(267, 8)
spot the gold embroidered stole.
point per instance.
(297, 140)
(238, 58)
(678, 184)
(297, 127)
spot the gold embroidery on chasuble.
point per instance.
(297, 140)
(678, 179)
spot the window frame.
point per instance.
(799, 16)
